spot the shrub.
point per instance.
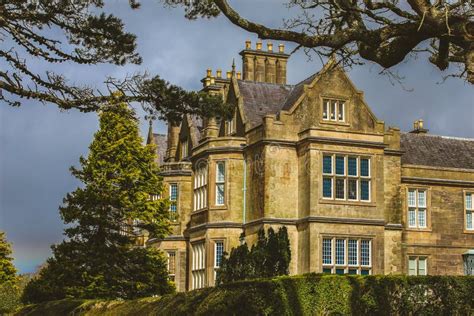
(10, 294)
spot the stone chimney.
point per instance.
(173, 138)
(264, 66)
(418, 127)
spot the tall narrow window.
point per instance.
(220, 183)
(174, 201)
(218, 253)
(469, 211)
(171, 265)
(334, 110)
(351, 256)
(346, 178)
(417, 266)
(198, 267)
(200, 188)
(417, 208)
(184, 148)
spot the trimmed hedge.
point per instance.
(310, 294)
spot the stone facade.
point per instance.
(356, 196)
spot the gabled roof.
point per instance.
(297, 92)
(437, 151)
(160, 141)
(260, 99)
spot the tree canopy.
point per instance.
(63, 31)
(270, 256)
(106, 217)
(384, 32)
(7, 269)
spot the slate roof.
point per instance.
(262, 98)
(196, 128)
(296, 92)
(437, 151)
(161, 144)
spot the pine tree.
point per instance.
(7, 269)
(99, 258)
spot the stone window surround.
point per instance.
(465, 229)
(171, 253)
(371, 177)
(428, 208)
(347, 110)
(417, 256)
(174, 207)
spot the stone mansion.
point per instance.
(357, 197)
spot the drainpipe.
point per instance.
(244, 203)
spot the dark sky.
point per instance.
(39, 143)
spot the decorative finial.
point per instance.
(149, 139)
(233, 66)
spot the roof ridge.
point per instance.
(443, 136)
(267, 83)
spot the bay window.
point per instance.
(220, 183)
(198, 266)
(200, 188)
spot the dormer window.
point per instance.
(334, 110)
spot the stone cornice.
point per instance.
(436, 181)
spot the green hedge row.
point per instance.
(309, 294)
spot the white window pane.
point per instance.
(422, 217)
(421, 266)
(412, 266)
(469, 201)
(333, 110)
(421, 198)
(411, 198)
(340, 251)
(365, 252)
(327, 251)
(412, 217)
(220, 172)
(340, 112)
(469, 220)
(326, 110)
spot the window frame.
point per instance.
(218, 182)
(173, 214)
(468, 210)
(334, 266)
(200, 185)
(171, 276)
(198, 265)
(326, 108)
(217, 267)
(417, 258)
(334, 176)
(417, 207)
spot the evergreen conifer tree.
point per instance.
(7, 269)
(105, 218)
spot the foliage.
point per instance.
(310, 294)
(7, 269)
(105, 217)
(10, 294)
(269, 257)
(58, 31)
(384, 32)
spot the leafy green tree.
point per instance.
(7, 269)
(270, 256)
(99, 258)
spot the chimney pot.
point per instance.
(209, 72)
(270, 46)
(219, 73)
(229, 74)
(420, 124)
(213, 80)
(248, 44)
(239, 75)
(259, 45)
(207, 81)
(281, 48)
